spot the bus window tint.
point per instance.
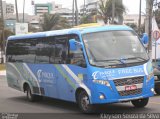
(21, 51)
(61, 52)
(45, 49)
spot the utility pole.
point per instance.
(73, 14)
(113, 11)
(76, 13)
(17, 18)
(148, 24)
(2, 33)
(139, 23)
(23, 9)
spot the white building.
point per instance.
(90, 6)
(133, 19)
(7, 8)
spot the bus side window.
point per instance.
(21, 51)
(45, 49)
(76, 57)
(61, 50)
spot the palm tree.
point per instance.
(105, 10)
(89, 18)
(53, 22)
(4, 34)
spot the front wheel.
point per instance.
(84, 102)
(140, 103)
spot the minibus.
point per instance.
(87, 65)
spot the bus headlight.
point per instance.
(150, 76)
(102, 82)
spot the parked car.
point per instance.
(156, 72)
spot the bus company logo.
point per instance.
(129, 81)
(43, 74)
(98, 74)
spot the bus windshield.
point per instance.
(114, 47)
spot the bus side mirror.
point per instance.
(145, 39)
(74, 45)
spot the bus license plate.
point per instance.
(128, 88)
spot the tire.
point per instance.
(84, 103)
(31, 97)
(157, 90)
(140, 103)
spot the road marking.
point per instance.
(155, 103)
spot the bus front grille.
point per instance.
(128, 81)
(131, 92)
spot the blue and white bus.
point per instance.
(91, 65)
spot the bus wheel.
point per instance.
(140, 102)
(157, 90)
(32, 97)
(84, 103)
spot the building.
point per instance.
(10, 24)
(89, 7)
(65, 13)
(33, 20)
(7, 8)
(40, 9)
(133, 19)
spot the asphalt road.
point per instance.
(12, 101)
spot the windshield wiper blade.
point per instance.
(103, 66)
(113, 60)
(110, 60)
(132, 58)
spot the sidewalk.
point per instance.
(3, 73)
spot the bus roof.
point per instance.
(82, 30)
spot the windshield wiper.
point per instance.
(103, 66)
(135, 58)
(122, 61)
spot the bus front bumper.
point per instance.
(113, 96)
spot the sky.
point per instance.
(131, 5)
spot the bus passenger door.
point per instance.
(61, 54)
(45, 57)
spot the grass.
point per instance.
(2, 67)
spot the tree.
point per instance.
(157, 17)
(89, 18)
(105, 10)
(32, 29)
(4, 34)
(53, 22)
(133, 26)
(63, 24)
